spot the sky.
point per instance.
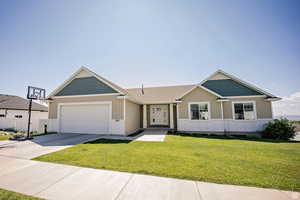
(154, 43)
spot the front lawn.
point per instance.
(261, 163)
(4, 137)
(8, 195)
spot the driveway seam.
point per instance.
(122, 189)
(198, 191)
(287, 196)
(65, 176)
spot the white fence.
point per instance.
(222, 125)
(19, 124)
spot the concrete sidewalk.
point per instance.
(56, 181)
(41, 145)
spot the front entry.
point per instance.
(159, 115)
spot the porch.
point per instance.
(159, 116)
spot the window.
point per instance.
(2, 115)
(18, 116)
(244, 110)
(199, 111)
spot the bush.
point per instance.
(279, 129)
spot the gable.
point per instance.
(199, 94)
(229, 87)
(85, 86)
(218, 76)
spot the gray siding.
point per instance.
(85, 86)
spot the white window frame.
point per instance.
(199, 102)
(254, 110)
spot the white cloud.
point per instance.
(288, 105)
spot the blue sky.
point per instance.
(151, 42)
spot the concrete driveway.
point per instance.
(43, 144)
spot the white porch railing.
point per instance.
(222, 125)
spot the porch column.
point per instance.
(144, 116)
(222, 112)
(171, 116)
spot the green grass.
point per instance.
(8, 195)
(256, 162)
(4, 137)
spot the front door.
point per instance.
(159, 115)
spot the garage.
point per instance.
(84, 118)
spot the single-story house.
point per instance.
(89, 103)
(14, 113)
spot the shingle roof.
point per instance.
(229, 87)
(159, 94)
(18, 103)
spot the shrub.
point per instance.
(279, 129)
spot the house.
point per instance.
(14, 113)
(89, 103)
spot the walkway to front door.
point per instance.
(148, 135)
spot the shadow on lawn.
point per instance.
(232, 137)
(109, 141)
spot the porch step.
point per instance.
(155, 131)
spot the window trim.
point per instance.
(199, 102)
(243, 102)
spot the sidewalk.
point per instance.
(56, 181)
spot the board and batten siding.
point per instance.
(132, 117)
(117, 105)
(85, 86)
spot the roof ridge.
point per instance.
(162, 86)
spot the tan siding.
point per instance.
(132, 117)
(117, 105)
(263, 108)
(198, 95)
(227, 110)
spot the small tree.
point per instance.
(279, 129)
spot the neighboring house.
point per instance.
(14, 113)
(88, 103)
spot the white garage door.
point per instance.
(84, 118)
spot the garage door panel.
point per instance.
(85, 118)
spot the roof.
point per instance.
(229, 87)
(90, 83)
(85, 86)
(244, 83)
(13, 102)
(92, 74)
(159, 94)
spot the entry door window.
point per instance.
(159, 115)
